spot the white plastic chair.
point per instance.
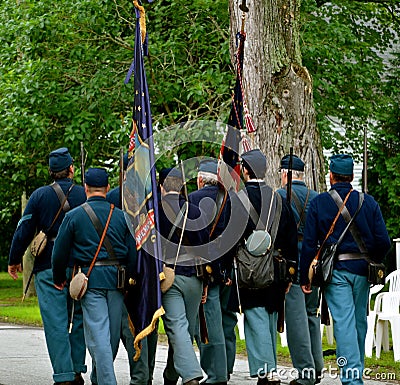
(394, 280)
(371, 318)
(388, 311)
(283, 337)
(240, 325)
(329, 330)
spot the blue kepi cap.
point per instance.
(209, 166)
(60, 159)
(297, 163)
(256, 161)
(169, 172)
(342, 164)
(96, 177)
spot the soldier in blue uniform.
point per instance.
(302, 321)
(262, 306)
(66, 351)
(347, 293)
(141, 371)
(102, 303)
(181, 301)
(217, 357)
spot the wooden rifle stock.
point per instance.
(203, 325)
(281, 318)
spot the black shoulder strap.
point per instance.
(268, 208)
(99, 228)
(178, 217)
(220, 202)
(63, 203)
(276, 217)
(351, 225)
(248, 206)
(61, 196)
(301, 209)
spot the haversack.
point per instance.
(321, 268)
(78, 285)
(38, 244)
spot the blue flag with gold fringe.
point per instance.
(140, 204)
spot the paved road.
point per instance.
(24, 361)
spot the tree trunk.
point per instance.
(278, 89)
(27, 262)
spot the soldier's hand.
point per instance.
(60, 286)
(13, 270)
(228, 282)
(306, 288)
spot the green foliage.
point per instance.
(344, 48)
(347, 46)
(11, 308)
(385, 152)
(62, 66)
(189, 60)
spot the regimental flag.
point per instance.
(140, 204)
(229, 167)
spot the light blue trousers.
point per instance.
(102, 311)
(218, 356)
(141, 371)
(303, 333)
(67, 351)
(261, 334)
(181, 304)
(347, 299)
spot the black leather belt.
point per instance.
(351, 256)
(107, 262)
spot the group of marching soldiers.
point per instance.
(201, 290)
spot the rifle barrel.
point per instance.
(83, 164)
(365, 160)
(289, 181)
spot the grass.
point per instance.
(13, 310)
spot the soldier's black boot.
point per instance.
(192, 382)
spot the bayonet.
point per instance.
(314, 172)
(365, 160)
(83, 161)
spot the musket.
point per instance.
(237, 284)
(365, 160)
(83, 164)
(289, 176)
(121, 176)
(27, 285)
(314, 172)
(202, 317)
(281, 311)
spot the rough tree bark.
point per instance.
(278, 89)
